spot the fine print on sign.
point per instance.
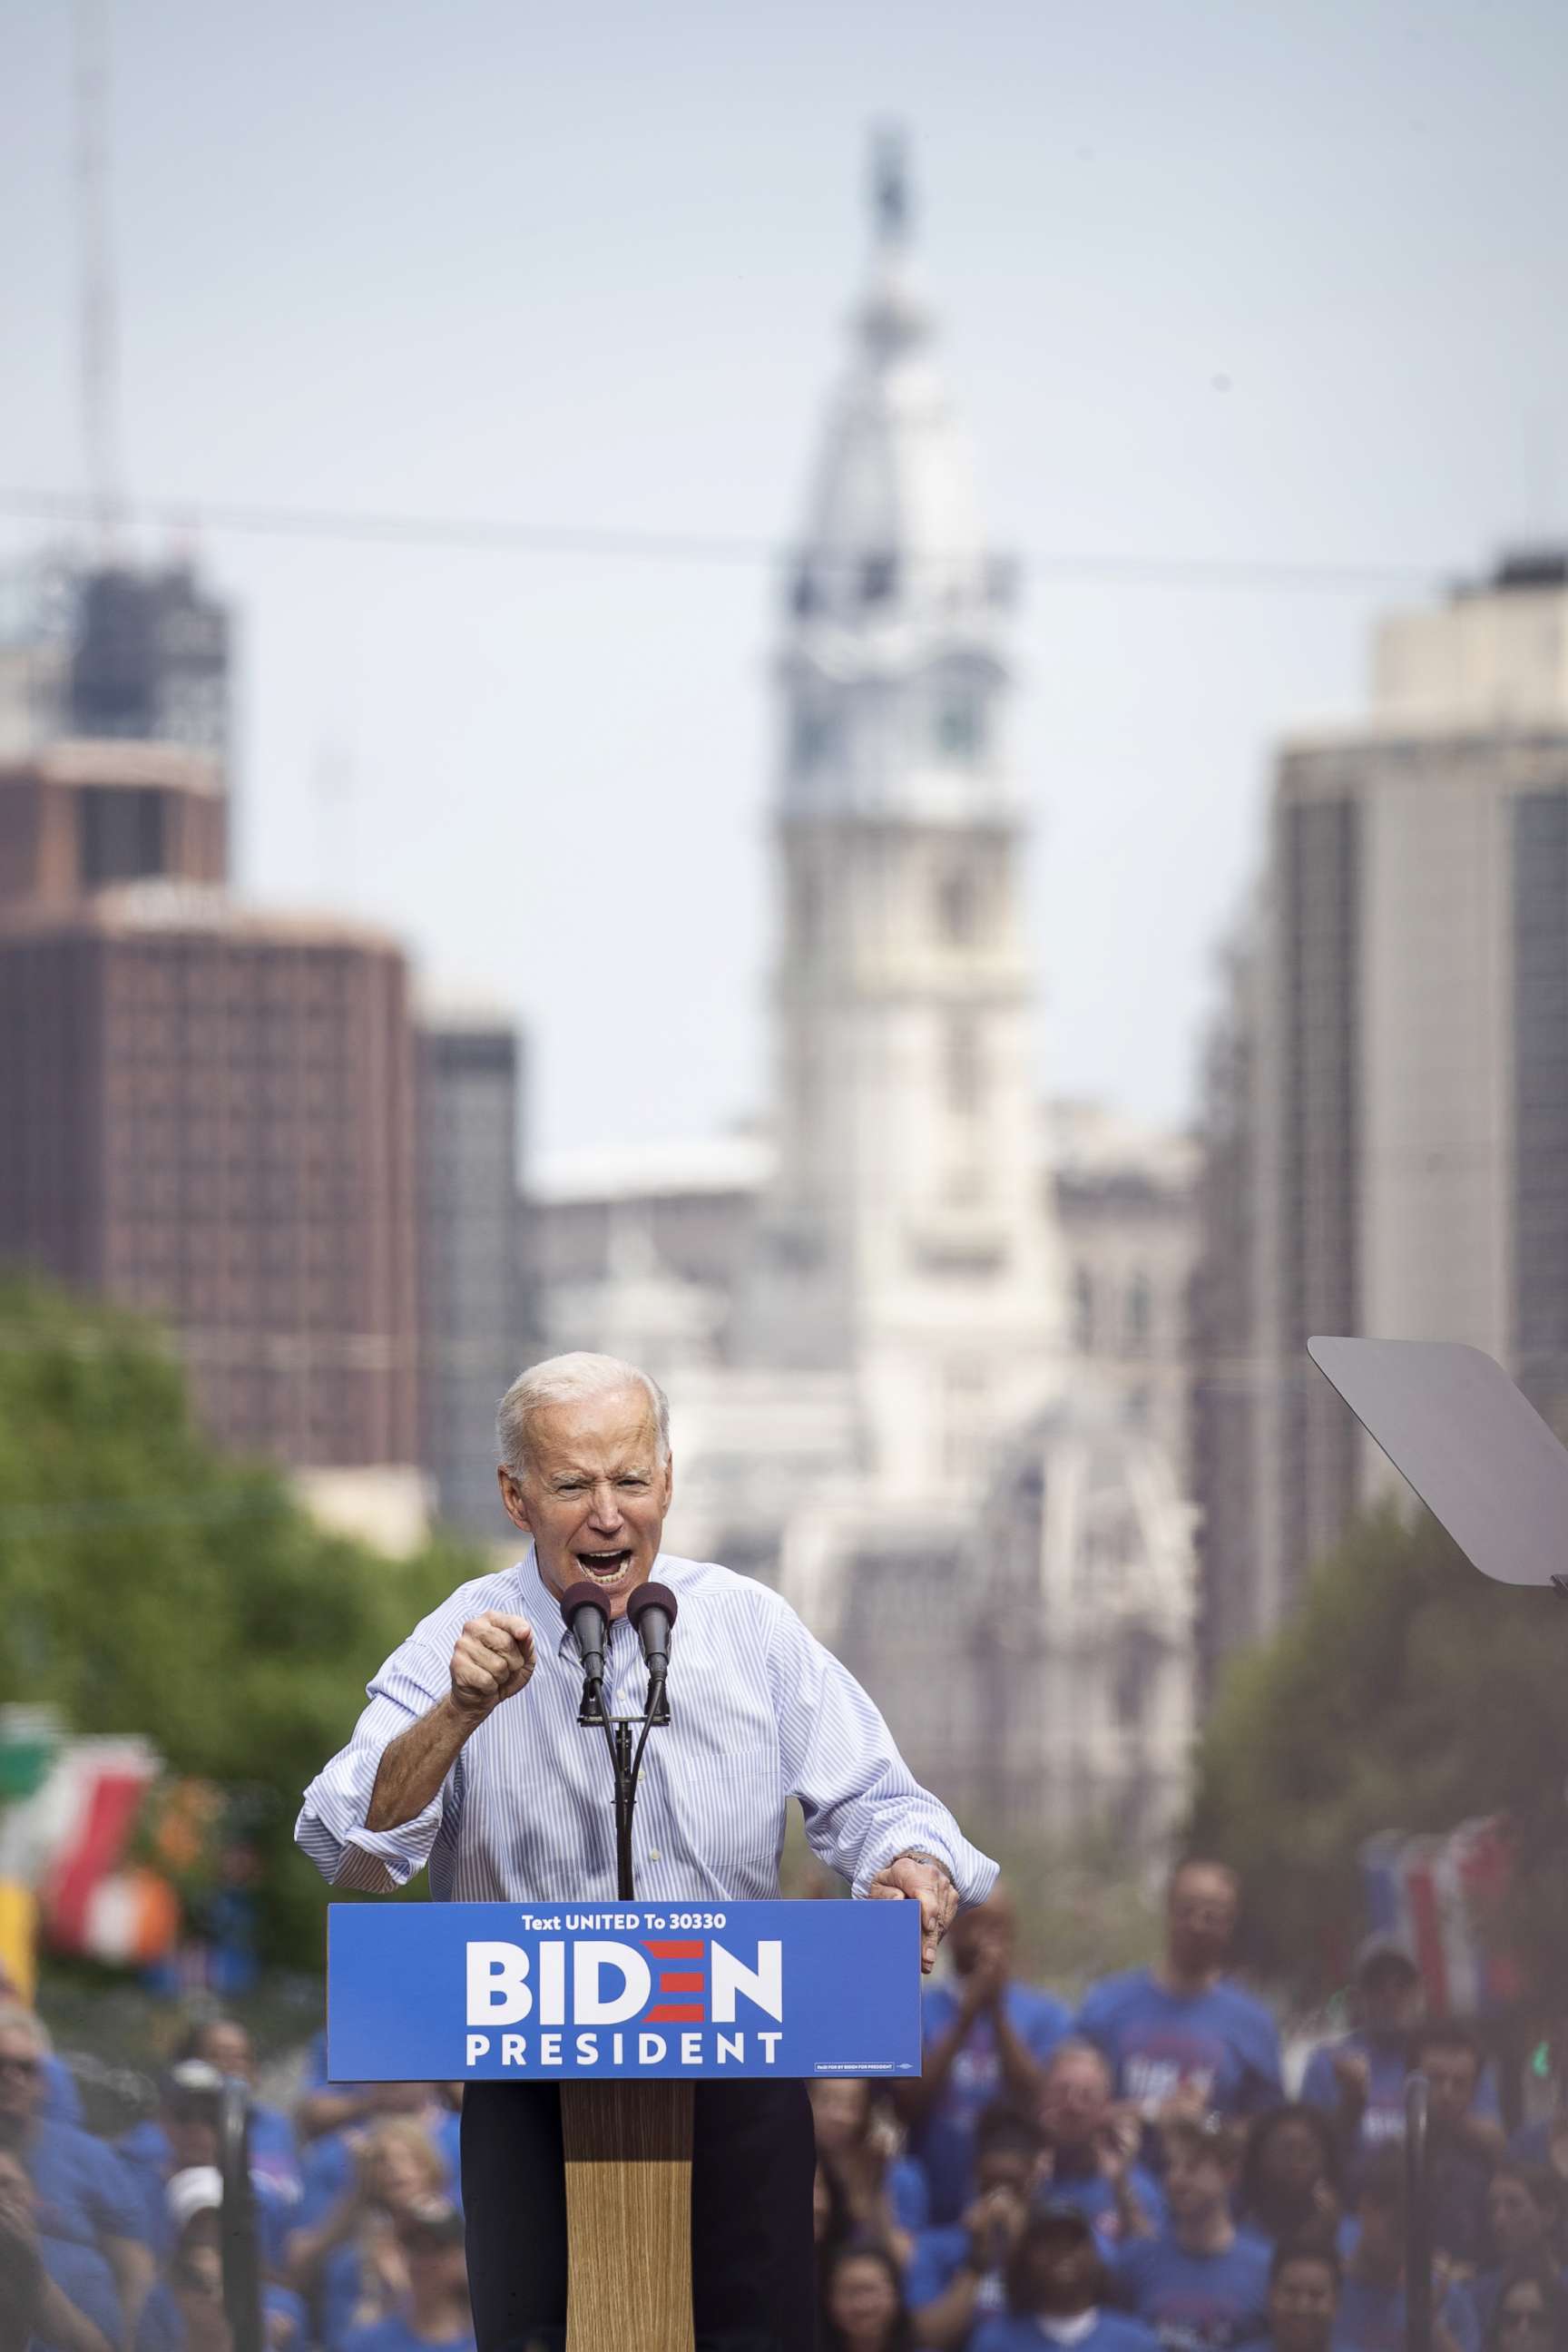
(597, 1991)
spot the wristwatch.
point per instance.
(919, 1853)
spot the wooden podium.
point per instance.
(629, 2215)
(624, 2006)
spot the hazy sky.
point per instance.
(1220, 281)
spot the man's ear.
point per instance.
(512, 1499)
(668, 1478)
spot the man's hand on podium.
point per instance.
(919, 1878)
(494, 1658)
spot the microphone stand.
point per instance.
(240, 2264)
(625, 1765)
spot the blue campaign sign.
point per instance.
(600, 1991)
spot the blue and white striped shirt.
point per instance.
(760, 1713)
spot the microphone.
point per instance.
(652, 1609)
(582, 1606)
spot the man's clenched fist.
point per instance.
(494, 1657)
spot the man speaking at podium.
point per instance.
(470, 1756)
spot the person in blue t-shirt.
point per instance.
(77, 2307)
(436, 2311)
(1202, 2285)
(1524, 2210)
(1291, 2180)
(326, 2171)
(186, 2308)
(1372, 2293)
(325, 2105)
(224, 2044)
(82, 2193)
(957, 2274)
(1057, 2295)
(1371, 2314)
(1462, 2146)
(1303, 2297)
(1092, 2148)
(861, 2306)
(986, 2037)
(1178, 2038)
(21, 2285)
(1531, 2313)
(61, 2101)
(1358, 2079)
(183, 2138)
(350, 2263)
(857, 2139)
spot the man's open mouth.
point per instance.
(603, 1567)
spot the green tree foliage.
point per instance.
(148, 1584)
(1407, 1693)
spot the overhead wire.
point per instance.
(478, 535)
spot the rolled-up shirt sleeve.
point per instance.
(330, 1828)
(862, 1804)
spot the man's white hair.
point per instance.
(568, 1379)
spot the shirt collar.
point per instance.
(542, 1607)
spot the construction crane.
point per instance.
(98, 338)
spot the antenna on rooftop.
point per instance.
(97, 349)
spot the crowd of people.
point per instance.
(1130, 2178)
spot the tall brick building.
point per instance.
(205, 1112)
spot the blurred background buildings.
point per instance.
(1385, 1124)
(943, 1355)
(231, 1117)
(923, 1335)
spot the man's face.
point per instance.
(21, 2076)
(1197, 2184)
(984, 1936)
(1301, 2303)
(227, 2047)
(1451, 2083)
(1075, 2101)
(1012, 2169)
(1062, 2271)
(1200, 1917)
(594, 1493)
(1389, 1996)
